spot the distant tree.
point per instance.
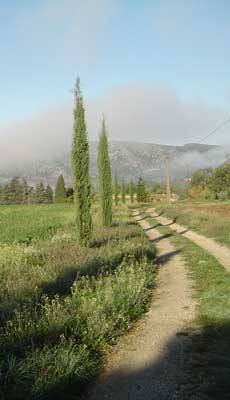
(80, 170)
(39, 195)
(141, 191)
(43, 193)
(8, 193)
(116, 191)
(104, 177)
(202, 178)
(200, 184)
(2, 199)
(123, 191)
(127, 188)
(132, 191)
(220, 181)
(158, 188)
(180, 188)
(5, 194)
(36, 195)
(31, 195)
(26, 190)
(70, 194)
(60, 190)
(49, 194)
(15, 191)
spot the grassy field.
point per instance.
(210, 219)
(210, 335)
(26, 224)
(62, 305)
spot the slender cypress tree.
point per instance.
(104, 176)
(123, 191)
(141, 191)
(60, 190)
(80, 170)
(132, 190)
(116, 191)
(49, 194)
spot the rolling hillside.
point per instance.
(129, 160)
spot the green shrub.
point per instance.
(223, 195)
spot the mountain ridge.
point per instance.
(129, 160)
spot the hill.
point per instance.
(129, 160)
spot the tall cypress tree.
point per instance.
(60, 190)
(104, 176)
(141, 191)
(80, 170)
(49, 194)
(116, 191)
(123, 191)
(132, 191)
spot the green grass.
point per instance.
(209, 219)
(27, 223)
(210, 353)
(63, 305)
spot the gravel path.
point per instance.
(221, 253)
(150, 362)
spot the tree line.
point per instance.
(18, 191)
(209, 183)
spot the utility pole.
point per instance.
(167, 178)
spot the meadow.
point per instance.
(211, 219)
(62, 305)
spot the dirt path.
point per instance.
(150, 362)
(221, 253)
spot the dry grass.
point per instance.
(209, 219)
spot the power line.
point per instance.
(163, 155)
(201, 140)
(214, 130)
(208, 135)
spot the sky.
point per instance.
(157, 69)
